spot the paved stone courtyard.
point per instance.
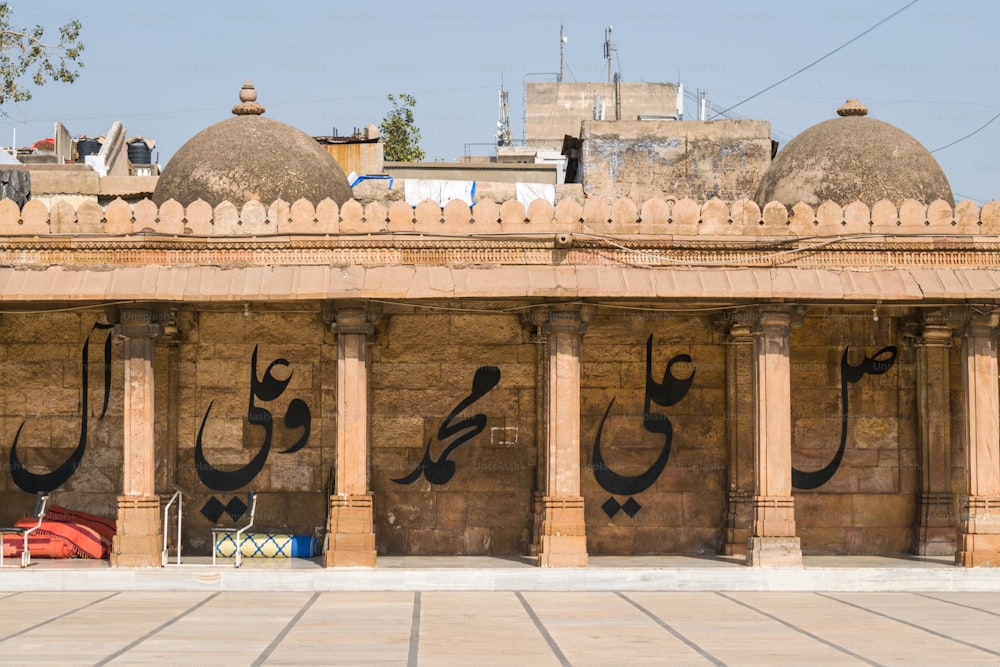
(498, 628)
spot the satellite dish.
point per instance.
(565, 40)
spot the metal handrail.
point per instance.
(41, 506)
(244, 529)
(179, 495)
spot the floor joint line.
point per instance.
(957, 604)
(280, 637)
(676, 633)
(153, 632)
(802, 631)
(54, 618)
(912, 625)
(411, 656)
(563, 660)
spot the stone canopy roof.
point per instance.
(250, 157)
(853, 158)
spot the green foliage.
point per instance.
(23, 52)
(400, 136)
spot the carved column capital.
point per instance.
(935, 334)
(774, 321)
(735, 325)
(139, 323)
(981, 322)
(355, 318)
(562, 318)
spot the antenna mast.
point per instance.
(503, 135)
(607, 50)
(562, 53)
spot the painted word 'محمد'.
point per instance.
(441, 471)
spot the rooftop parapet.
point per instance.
(605, 217)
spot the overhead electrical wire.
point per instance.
(820, 59)
(969, 135)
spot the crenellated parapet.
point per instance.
(597, 216)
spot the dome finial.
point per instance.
(248, 101)
(852, 108)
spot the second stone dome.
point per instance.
(853, 158)
(250, 157)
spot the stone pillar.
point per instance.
(352, 519)
(935, 525)
(139, 538)
(772, 539)
(534, 322)
(979, 523)
(740, 434)
(563, 539)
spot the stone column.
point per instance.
(935, 525)
(772, 539)
(352, 519)
(740, 434)
(563, 539)
(534, 322)
(139, 538)
(979, 523)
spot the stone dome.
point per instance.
(250, 157)
(853, 158)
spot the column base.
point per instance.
(979, 534)
(351, 533)
(139, 538)
(739, 518)
(936, 532)
(563, 539)
(978, 550)
(537, 511)
(935, 542)
(774, 552)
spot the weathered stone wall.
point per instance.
(41, 361)
(422, 368)
(682, 511)
(214, 367)
(868, 505)
(698, 159)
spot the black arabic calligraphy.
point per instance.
(665, 393)
(50, 481)
(269, 388)
(442, 470)
(874, 365)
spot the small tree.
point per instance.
(400, 136)
(22, 51)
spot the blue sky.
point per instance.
(168, 70)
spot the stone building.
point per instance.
(654, 376)
(670, 160)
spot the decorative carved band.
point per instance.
(362, 502)
(637, 251)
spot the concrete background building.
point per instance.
(554, 110)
